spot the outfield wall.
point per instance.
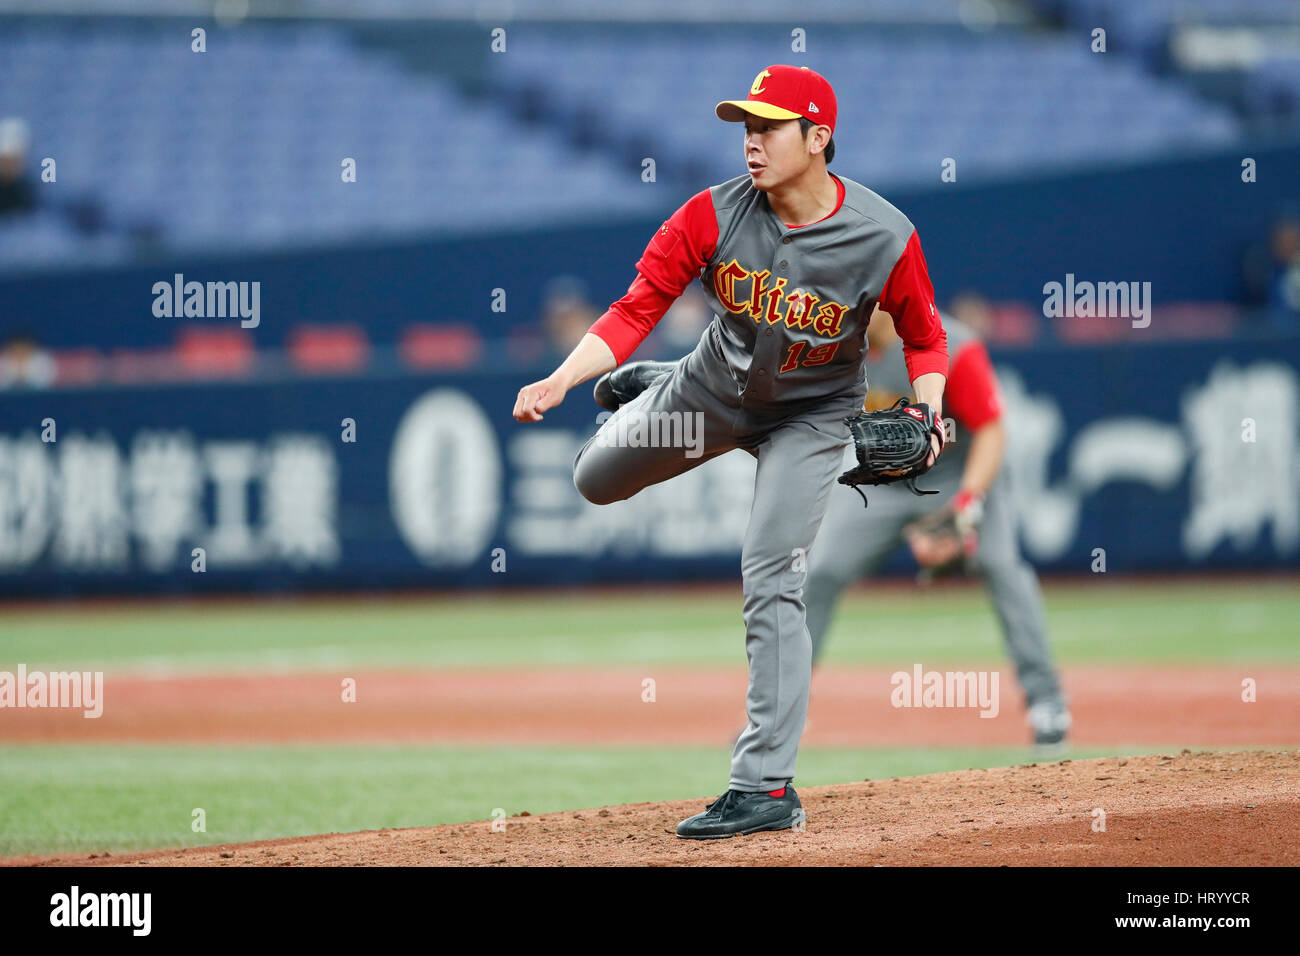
(1167, 456)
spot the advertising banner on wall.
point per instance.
(1167, 457)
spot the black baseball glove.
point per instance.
(947, 540)
(892, 445)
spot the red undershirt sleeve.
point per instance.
(908, 297)
(672, 260)
(972, 396)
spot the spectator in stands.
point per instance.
(975, 312)
(1284, 285)
(24, 364)
(19, 194)
(1273, 274)
(16, 193)
(680, 329)
(1006, 323)
(567, 313)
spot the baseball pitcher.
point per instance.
(792, 261)
(968, 525)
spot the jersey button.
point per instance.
(786, 240)
(782, 264)
(762, 371)
(769, 331)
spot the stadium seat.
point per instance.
(428, 346)
(214, 352)
(328, 348)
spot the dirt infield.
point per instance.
(1204, 808)
(1188, 808)
(1130, 706)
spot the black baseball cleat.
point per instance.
(626, 382)
(739, 812)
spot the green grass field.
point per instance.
(56, 799)
(97, 798)
(1186, 622)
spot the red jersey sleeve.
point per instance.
(972, 396)
(672, 260)
(909, 299)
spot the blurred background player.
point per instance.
(974, 488)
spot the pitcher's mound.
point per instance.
(1203, 808)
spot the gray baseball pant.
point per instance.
(799, 452)
(855, 541)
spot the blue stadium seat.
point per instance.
(242, 145)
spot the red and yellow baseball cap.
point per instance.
(785, 92)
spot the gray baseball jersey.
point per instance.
(790, 304)
(774, 374)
